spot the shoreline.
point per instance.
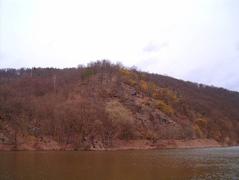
(120, 145)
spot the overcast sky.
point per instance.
(196, 40)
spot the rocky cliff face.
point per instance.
(107, 106)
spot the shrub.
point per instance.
(202, 123)
(121, 118)
(164, 107)
(198, 131)
(87, 74)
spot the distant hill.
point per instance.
(105, 105)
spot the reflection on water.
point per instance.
(214, 163)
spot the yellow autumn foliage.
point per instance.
(144, 86)
(201, 122)
(128, 74)
(164, 107)
(198, 131)
(166, 93)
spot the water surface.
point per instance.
(213, 163)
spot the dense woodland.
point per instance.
(102, 102)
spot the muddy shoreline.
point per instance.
(50, 145)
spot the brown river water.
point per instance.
(211, 163)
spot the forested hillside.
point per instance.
(95, 106)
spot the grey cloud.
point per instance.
(237, 46)
(220, 74)
(154, 47)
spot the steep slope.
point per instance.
(107, 106)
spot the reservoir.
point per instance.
(211, 163)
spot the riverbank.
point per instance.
(48, 144)
(165, 144)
